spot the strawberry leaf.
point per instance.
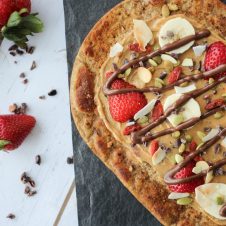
(19, 27)
(3, 143)
(14, 20)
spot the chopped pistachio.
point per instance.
(172, 6)
(176, 134)
(153, 63)
(224, 95)
(219, 200)
(188, 137)
(121, 76)
(182, 148)
(158, 84)
(156, 46)
(157, 59)
(168, 65)
(143, 120)
(160, 80)
(178, 158)
(165, 11)
(178, 119)
(172, 159)
(184, 201)
(201, 135)
(218, 115)
(184, 84)
(128, 71)
(211, 80)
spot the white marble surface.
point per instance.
(51, 137)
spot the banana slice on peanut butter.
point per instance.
(211, 198)
(176, 29)
(190, 110)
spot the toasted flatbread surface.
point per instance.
(141, 180)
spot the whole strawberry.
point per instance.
(215, 56)
(14, 129)
(6, 8)
(124, 106)
(16, 21)
(189, 186)
(20, 4)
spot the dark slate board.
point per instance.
(102, 199)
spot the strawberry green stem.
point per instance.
(19, 27)
(4, 143)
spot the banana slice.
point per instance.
(206, 196)
(174, 30)
(190, 110)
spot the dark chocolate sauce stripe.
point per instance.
(195, 77)
(223, 211)
(169, 176)
(185, 125)
(136, 137)
(169, 47)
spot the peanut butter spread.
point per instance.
(206, 128)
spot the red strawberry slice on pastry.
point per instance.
(124, 106)
(157, 111)
(215, 56)
(189, 186)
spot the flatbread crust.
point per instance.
(141, 180)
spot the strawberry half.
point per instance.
(215, 56)
(135, 47)
(124, 106)
(129, 129)
(154, 147)
(157, 111)
(14, 129)
(174, 75)
(189, 186)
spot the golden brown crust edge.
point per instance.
(140, 180)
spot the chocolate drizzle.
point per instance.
(144, 135)
(169, 176)
(185, 125)
(223, 210)
(137, 137)
(167, 48)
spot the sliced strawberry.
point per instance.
(135, 47)
(108, 74)
(157, 111)
(198, 158)
(189, 186)
(148, 48)
(192, 146)
(124, 106)
(215, 56)
(174, 75)
(154, 147)
(215, 103)
(129, 129)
